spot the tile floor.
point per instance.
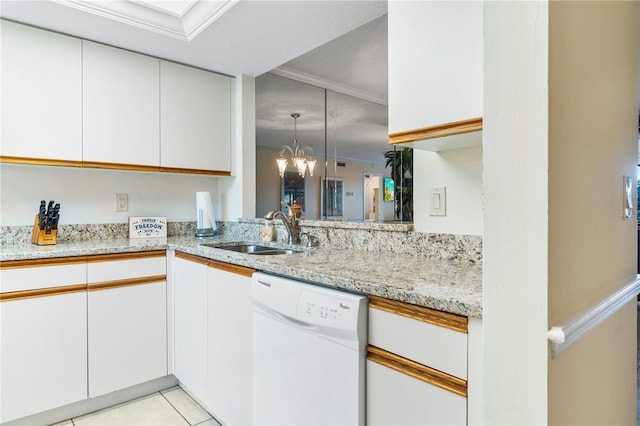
(171, 407)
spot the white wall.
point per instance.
(460, 171)
(88, 195)
(238, 194)
(515, 212)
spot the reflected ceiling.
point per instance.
(355, 63)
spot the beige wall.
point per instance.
(593, 57)
(559, 134)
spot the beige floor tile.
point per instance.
(150, 410)
(210, 422)
(189, 409)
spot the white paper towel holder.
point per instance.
(206, 222)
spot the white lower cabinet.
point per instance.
(43, 358)
(395, 398)
(127, 336)
(230, 344)
(416, 365)
(212, 335)
(127, 321)
(190, 325)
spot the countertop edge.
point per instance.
(466, 306)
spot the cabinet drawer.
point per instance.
(437, 346)
(394, 398)
(128, 266)
(45, 276)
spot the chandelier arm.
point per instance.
(285, 148)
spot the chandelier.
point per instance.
(298, 155)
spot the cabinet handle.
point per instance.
(421, 372)
(42, 292)
(420, 313)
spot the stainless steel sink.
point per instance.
(251, 249)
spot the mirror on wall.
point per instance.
(347, 136)
(346, 133)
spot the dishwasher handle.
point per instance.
(282, 317)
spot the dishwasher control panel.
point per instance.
(329, 311)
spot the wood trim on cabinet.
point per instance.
(236, 269)
(421, 372)
(125, 256)
(229, 267)
(192, 257)
(109, 166)
(120, 166)
(420, 313)
(42, 292)
(107, 285)
(54, 261)
(39, 161)
(438, 131)
(195, 171)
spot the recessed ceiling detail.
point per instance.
(181, 19)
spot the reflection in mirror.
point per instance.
(332, 191)
(351, 137)
(292, 190)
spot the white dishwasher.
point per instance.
(308, 353)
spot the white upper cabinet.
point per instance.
(435, 73)
(121, 101)
(195, 118)
(41, 94)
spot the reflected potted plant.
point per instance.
(401, 163)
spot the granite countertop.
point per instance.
(438, 284)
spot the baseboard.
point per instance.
(90, 405)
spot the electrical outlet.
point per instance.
(122, 202)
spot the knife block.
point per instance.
(40, 236)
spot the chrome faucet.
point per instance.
(290, 223)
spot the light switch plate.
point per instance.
(438, 201)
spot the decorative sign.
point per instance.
(147, 227)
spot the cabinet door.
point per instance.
(230, 346)
(394, 398)
(127, 336)
(190, 325)
(41, 94)
(195, 118)
(441, 81)
(120, 106)
(43, 361)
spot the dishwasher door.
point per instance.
(308, 354)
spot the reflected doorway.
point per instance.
(292, 190)
(372, 194)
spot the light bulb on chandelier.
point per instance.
(298, 155)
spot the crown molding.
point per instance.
(328, 84)
(198, 16)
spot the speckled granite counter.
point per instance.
(438, 284)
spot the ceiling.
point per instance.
(240, 37)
